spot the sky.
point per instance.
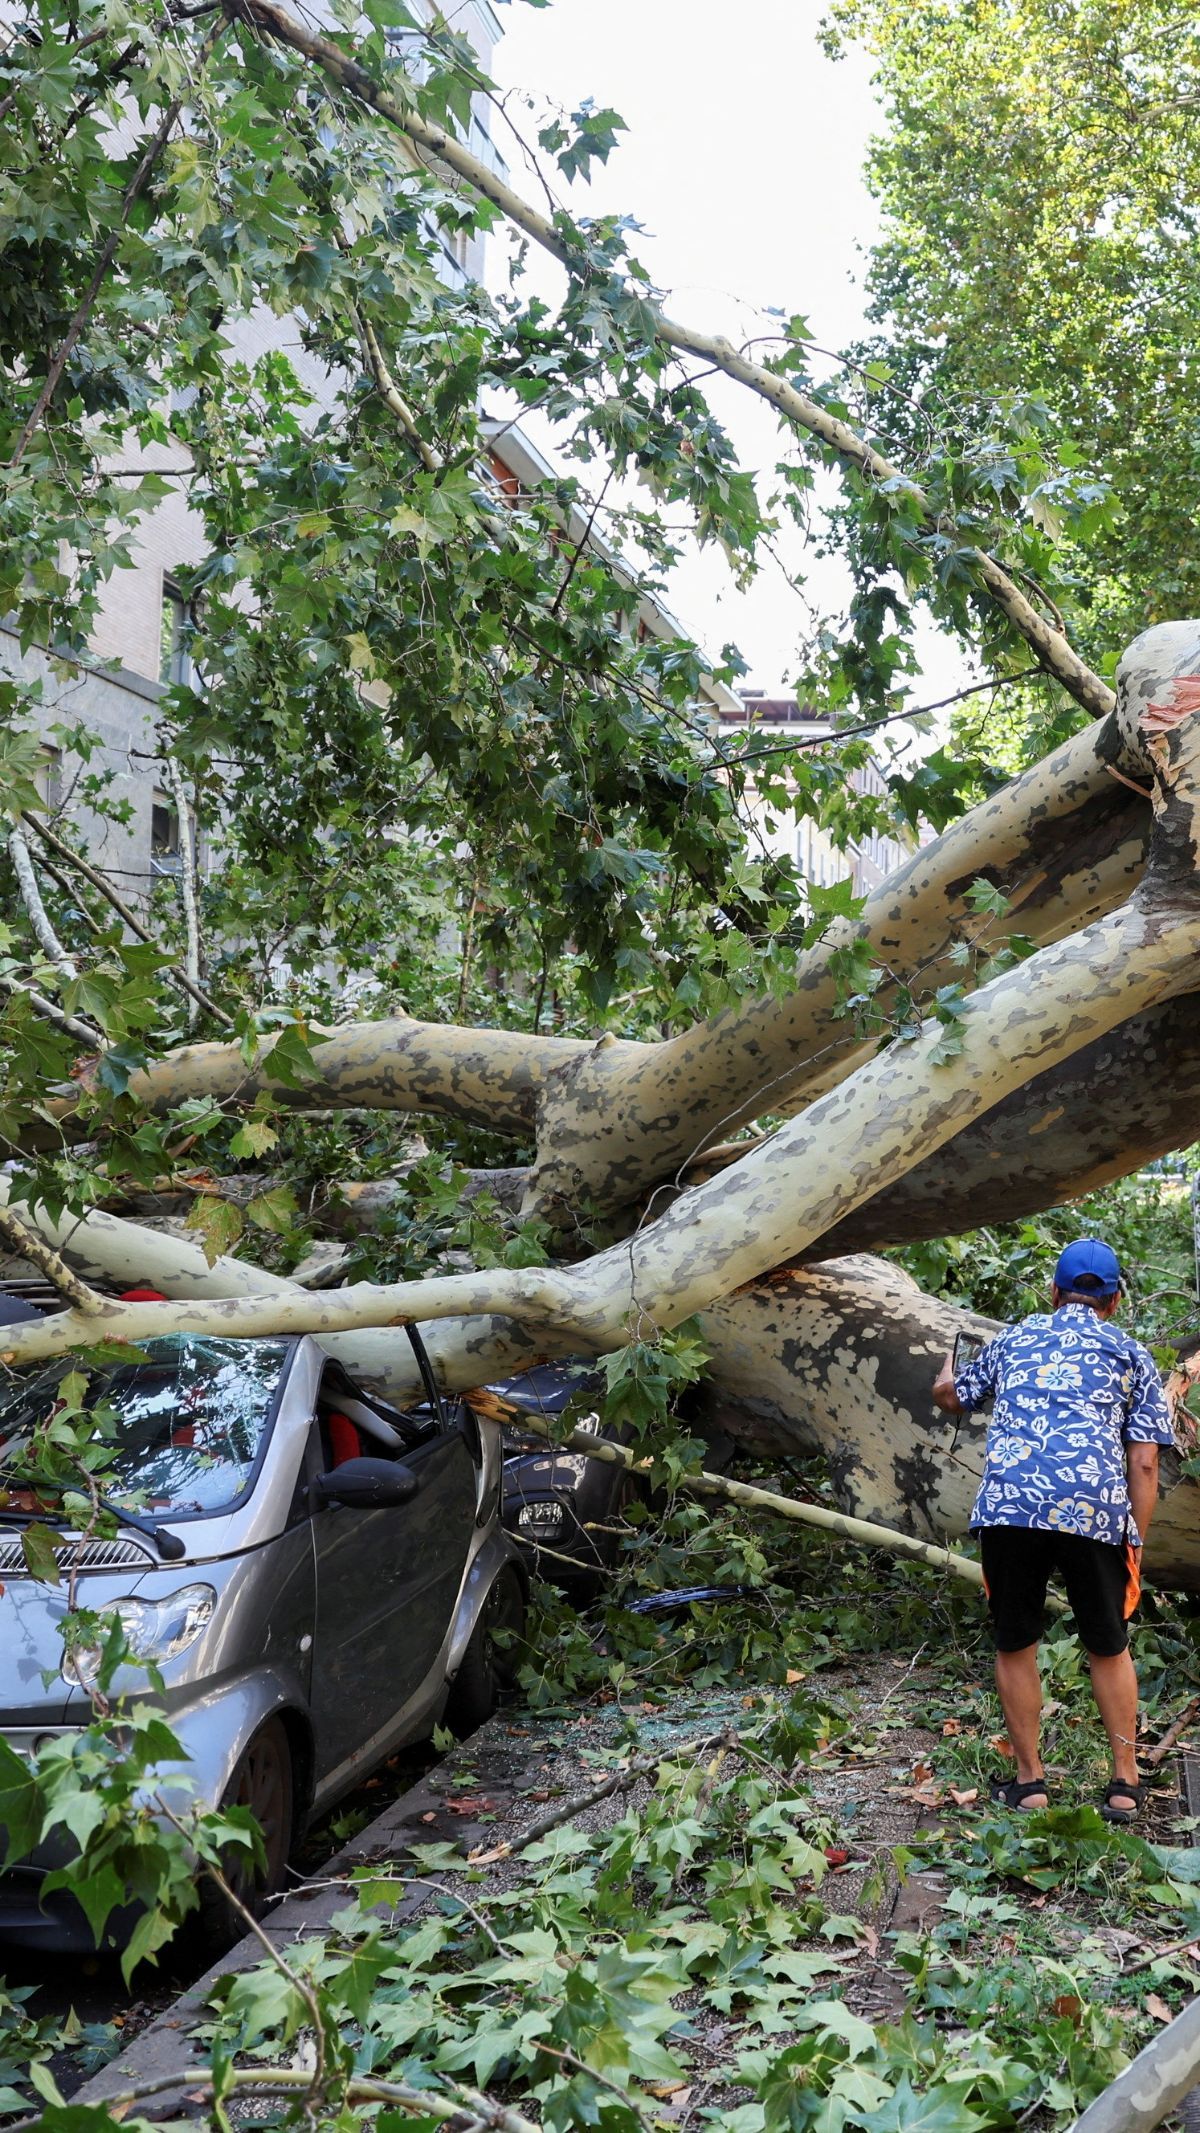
(743, 163)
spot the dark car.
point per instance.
(565, 1511)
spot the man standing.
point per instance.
(1069, 1484)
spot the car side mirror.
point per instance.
(367, 1484)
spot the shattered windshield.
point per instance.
(185, 1426)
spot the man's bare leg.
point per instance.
(1114, 1686)
(1019, 1686)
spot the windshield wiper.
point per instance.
(169, 1545)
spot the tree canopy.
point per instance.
(1038, 171)
(384, 652)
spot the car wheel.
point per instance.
(489, 1665)
(262, 1781)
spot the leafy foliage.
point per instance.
(1038, 180)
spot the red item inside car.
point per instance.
(344, 1440)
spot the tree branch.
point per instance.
(27, 1244)
(1051, 646)
(861, 1530)
(128, 917)
(51, 1012)
(31, 897)
(108, 252)
(430, 458)
(187, 883)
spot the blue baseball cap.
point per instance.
(1089, 1265)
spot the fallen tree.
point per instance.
(806, 1345)
(900, 1070)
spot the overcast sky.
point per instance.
(743, 162)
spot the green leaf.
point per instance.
(908, 2112)
(254, 1137)
(275, 1210)
(41, 2079)
(38, 1548)
(21, 1805)
(219, 1222)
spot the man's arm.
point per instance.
(973, 1386)
(1141, 1467)
(944, 1393)
(1147, 1426)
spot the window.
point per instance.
(175, 636)
(164, 836)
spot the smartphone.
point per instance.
(966, 1347)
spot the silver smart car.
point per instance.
(317, 1575)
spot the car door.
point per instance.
(387, 1580)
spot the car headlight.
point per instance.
(541, 1521)
(154, 1629)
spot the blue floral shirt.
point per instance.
(1071, 1391)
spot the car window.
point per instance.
(186, 1427)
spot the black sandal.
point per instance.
(1127, 1790)
(1011, 1792)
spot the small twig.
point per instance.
(306, 1992)
(1160, 1955)
(617, 1781)
(580, 2066)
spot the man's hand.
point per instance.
(944, 1394)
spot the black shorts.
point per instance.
(1101, 1580)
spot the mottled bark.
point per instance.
(485, 1077)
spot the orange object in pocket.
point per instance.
(1133, 1579)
